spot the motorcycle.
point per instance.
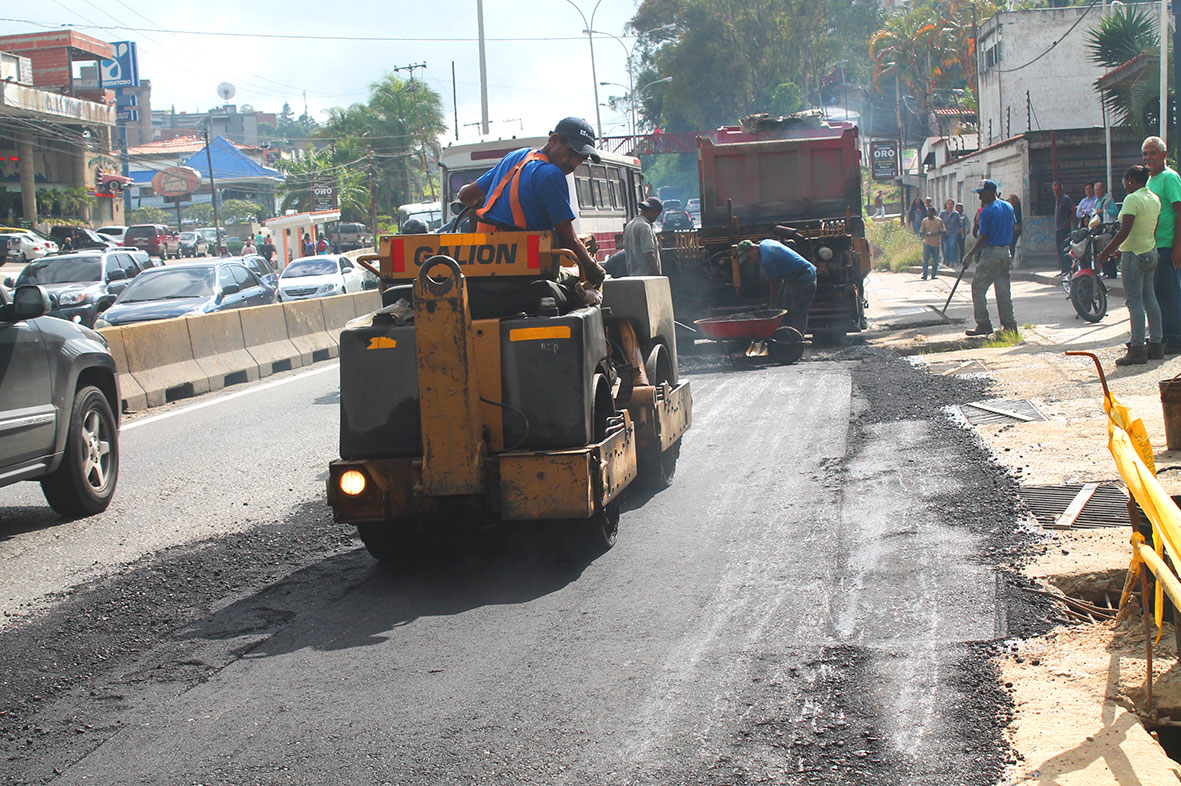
(1084, 285)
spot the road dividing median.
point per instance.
(219, 350)
(338, 310)
(366, 302)
(307, 331)
(160, 358)
(264, 332)
(132, 394)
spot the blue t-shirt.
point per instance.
(545, 197)
(779, 261)
(997, 222)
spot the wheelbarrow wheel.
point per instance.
(786, 345)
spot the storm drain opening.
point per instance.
(1018, 410)
(1077, 505)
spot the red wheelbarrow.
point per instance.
(764, 329)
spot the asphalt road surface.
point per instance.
(813, 601)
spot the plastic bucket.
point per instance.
(1170, 401)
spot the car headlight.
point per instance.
(328, 288)
(72, 298)
(101, 323)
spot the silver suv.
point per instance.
(59, 404)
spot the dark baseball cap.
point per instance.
(986, 185)
(580, 135)
(651, 203)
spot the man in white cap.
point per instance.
(992, 255)
(639, 240)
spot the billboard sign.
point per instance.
(128, 115)
(176, 181)
(884, 157)
(323, 197)
(123, 70)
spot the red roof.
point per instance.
(180, 144)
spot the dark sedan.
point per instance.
(193, 288)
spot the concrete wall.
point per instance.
(1060, 84)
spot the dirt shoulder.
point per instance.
(1079, 691)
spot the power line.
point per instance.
(1050, 48)
(294, 36)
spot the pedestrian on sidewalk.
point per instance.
(1086, 205)
(991, 253)
(1136, 241)
(959, 208)
(1165, 183)
(879, 206)
(932, 232)
(953, 224)
(1063, 218)
(915, 214)
(1108, 212)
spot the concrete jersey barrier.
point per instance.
(133, 395)
(307, 331)
(264, 332)
(160, 359)
(219, 349)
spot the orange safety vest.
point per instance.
(512, 180)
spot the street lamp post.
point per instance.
(591, 40)
(627, 53)
(634, 96)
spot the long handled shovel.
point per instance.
(959, 278)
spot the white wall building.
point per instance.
(1053, 92)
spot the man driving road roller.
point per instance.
(527, 191)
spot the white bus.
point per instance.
(604, 196)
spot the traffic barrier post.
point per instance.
(338, 310)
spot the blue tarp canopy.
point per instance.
(229, 163)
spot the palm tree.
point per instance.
(912, 48)
(316, 166)
(1116, 40)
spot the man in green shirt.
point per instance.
(1166, 184)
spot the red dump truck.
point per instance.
(753, 178)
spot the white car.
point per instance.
(115, 232)
(321, 276)
(24, 247)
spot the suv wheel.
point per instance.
(85, 482)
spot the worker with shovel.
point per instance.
(793, 279)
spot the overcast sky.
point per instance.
(531, 83)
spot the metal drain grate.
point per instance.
(946, 368)
(1077, 505)
(1007, 411)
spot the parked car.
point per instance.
(141, 257)
(23, 246)
(157, 239)
(352, 236)
(114, 232)
(193, 244)
(210, 235)
(320, 276)
(79, 238)
(59, 405)
(188, 288)
(80, 285)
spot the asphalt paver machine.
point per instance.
(457, 410)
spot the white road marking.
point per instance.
(221, 399)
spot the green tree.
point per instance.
(786, 99)
(1118, 38)
(313, 166)
(149, 215)
(201, 213)
(238, 211)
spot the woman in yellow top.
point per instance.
(1136, 241)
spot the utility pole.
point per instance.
(454, 101)
(483, 71)
(898, 119)
(1164, 70)
(1176, 73)
(372, 201)
(417, 124)
(213, 190)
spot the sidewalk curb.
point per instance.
(1115, 286)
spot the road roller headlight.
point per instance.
(824, 252)
(352, 483)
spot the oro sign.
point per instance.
(323, 197)
(884, 157)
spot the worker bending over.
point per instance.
(793, 279)
(527, 191)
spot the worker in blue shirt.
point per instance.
(793, 279)
(991, 253)
(527, 191)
